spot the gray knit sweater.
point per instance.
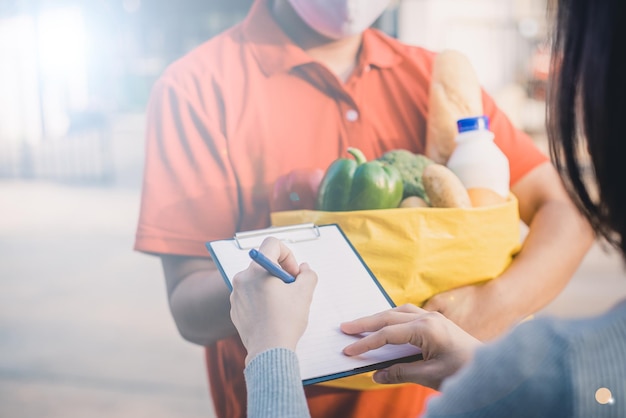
(544, 368)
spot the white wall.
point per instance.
(485, 30)
(47, 53)
(19, 102)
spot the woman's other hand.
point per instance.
(445, 347)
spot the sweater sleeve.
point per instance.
(274, 386)
(522, 375)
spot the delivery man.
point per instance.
(293, 86)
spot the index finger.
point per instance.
(276, 250)
(382, 319)
(408, 332)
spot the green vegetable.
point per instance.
(358, 185)
(410, 166)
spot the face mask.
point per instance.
(338, 19)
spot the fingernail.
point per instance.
(381, 376)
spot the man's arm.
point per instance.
(557, 241)
(198, 298)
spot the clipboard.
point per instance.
(346, 290)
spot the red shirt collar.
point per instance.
(276, 52)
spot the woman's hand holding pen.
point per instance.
(268, 312)
(445, 347)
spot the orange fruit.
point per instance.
(481, 196)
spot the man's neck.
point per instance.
(339, 56)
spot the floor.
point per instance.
(85, 329)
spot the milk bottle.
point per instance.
(477, 160)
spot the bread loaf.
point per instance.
(454, 94)
(444, 189)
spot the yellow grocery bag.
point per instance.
(416, 253)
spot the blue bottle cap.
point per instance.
(473, 124)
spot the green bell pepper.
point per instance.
(359, 185)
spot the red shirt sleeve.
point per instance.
(189, 191)
(520, 149)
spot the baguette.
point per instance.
(455, 94)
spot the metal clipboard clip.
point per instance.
(292, 233)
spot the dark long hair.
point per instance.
(587, 111)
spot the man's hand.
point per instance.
(266, 311)
(445, 346)
(472, 308)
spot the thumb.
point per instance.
(419, 372)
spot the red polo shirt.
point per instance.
(248, 106)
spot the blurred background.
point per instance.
(75, 74)
(84, 322)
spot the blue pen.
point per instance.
(271, 267)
